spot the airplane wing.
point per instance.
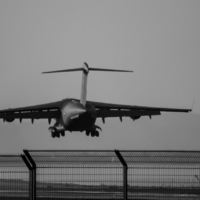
(42, 111)
(104, 110)
(135, 112)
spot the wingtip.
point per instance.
(46, 72)
(192, 105)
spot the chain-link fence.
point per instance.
(78, 174)
(163, 174)
(100, 175)
(14, 178)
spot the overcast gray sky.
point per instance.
(158, 40)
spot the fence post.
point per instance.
(125, 169)
(32, 175)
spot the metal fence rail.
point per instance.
(14, 178)
(95, 175)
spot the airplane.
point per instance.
(79, 114)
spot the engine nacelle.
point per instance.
(135, 118)
(9, 119)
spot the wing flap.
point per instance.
(42, 111)
(99, 105)
(126, 113)
(48, 106)
(31, 115)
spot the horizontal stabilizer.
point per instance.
(86, 69)
(65, 70)
(108, 70)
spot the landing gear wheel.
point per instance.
(52, 134)
(63, 133)
(87, 132)
(58, 135)
(97, 133)
(93, 133)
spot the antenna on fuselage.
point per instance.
(85, 69)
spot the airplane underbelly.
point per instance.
(81, 123)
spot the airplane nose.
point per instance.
(72, 110)
(80, 110)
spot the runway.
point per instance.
(60, 194)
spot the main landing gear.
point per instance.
(94, 131)
(56, 133)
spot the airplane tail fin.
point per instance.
(85, 69)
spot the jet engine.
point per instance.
(135, 117)
(9, 119)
